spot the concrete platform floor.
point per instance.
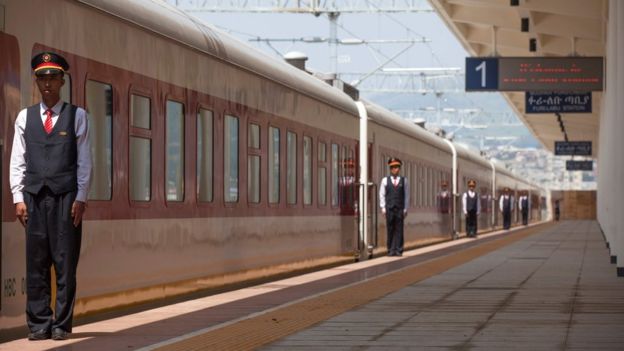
(555, 290)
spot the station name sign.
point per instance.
(557, 102)
(573, 148)
(566, 74)
(579, 165)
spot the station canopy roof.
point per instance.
(560, 27)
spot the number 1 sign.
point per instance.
(481, 73)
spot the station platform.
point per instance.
(543, 287)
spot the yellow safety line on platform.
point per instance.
(257, 331)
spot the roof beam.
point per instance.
(498, 17)
(565, 26)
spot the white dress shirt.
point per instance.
(382, 192)
(17, 168)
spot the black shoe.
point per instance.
(59, 334)
(39, 335)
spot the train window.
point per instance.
(140, 115)
(174, 158)
(307, 170)
(322, 174)
(429, 186)
(205, 154)
(274, 165)
(65, 92)
(140, 177)
(348, 179)
(421, 186)
(334, 174)
(408, 175)
(253, 178)
(342, 180)
(291, 168)
(140, 169)
(253, 136)
(99, 98)
(230, 159)
(253, 164)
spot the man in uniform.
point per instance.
(506, 206)
(49, 174)
(444, 198)
(394, 200)
(523, 206)
(472, 208)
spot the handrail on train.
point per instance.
(361, 241)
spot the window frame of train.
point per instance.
(334, 176)
(140, 131)
(321, 169)
(307, 181)
(66, 89)
(231, 159)
(204, 147)
(170, 152)
(292, 174)
(421, 185)
(101, 181)
(413, 184)
(254, 156)
(274, 168)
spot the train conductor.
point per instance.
(394, 200)
(523, 206)
(506, 206)
(472, 207)
(49, 174)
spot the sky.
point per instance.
(443, 51)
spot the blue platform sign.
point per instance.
(573, 148)
(579, 165)
(481, 73)
(558, 102)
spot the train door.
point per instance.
(9, 107)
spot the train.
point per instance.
(212, 160)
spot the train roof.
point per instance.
(167, 21)
(389, 119)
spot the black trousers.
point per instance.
(525, 217)
(471, 223)
(51, 239)
(506, 219)
(394, 224)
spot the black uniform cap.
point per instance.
(48, 63)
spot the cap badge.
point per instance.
(46, 58)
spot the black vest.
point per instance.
(525, 204)
(471, 202)
(507, 204)
(395, 195)
(51, 159)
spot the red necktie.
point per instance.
(48, 122)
